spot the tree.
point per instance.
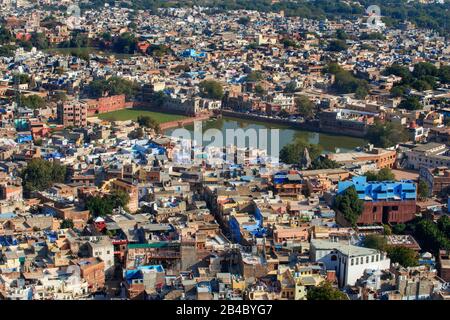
(41, 174)
(305, 107)
(374, 241)
(291, 87)
(67, 224)
(5, 35)
(349, 205)
(149, 122)
(112, 86)
(361, 92)
(399, 228)
(104, 205)
(444, 74)
(33, 101)
(424, 69)
(292, 153)
(324, 163)
(337, 45)
(259, 90)
(254, 76)
(406, 257)
(429, 235)
(422, 190)
(411, 103)
(443, 225)
(399, 71)
(211, 89)
(325, 291)
(398, 91)
(125, 43)
(243, 21)
(384, 174)
(341, 34)
(386, 135)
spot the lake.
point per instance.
(286, 135)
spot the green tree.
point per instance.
(324, 163)
(337, 45)
(104, 205)
(149, 122)
(67, 224)
(112, 86)
(386, 135)
(399, 228)
(291, 87)
(411, 103)
(349, 205)
(325, 291)
(361, 92)
(125, 43)
(41, 174)
(424, 69)
(211, 89)
(32, 101)
(406, 257)
(384, 174)
(305, 107)
(374, 241)
(293, 152)
(341, 34)
(254, 76)
(423, 190)
(259, 90)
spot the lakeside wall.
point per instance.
(313, 126)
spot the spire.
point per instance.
(305, 159)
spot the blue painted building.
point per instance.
(380, 191)
(384, 202)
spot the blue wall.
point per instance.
(380, 191)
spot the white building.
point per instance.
(430, 155)
(102, 247)
(347, 260)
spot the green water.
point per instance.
(329, 142)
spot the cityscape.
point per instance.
(224, 150)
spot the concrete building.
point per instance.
(428, 155)
(384, 202)
(347, 260)
(72, 114)
(438, 179)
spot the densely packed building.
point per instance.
(93, 207)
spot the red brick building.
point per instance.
(93, 271)
(105, 104)
(72, 113)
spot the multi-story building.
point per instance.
(438, 179)
(72, 114)
(428, 155)
(384, 202)
(347, 260)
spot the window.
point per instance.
(333, 257)
(374, 209)
(357, 261)
(377, 258)
(108, 252)
(395, 208)
(373, 258)
(367, 259)
(362, 260)
(351, 262)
